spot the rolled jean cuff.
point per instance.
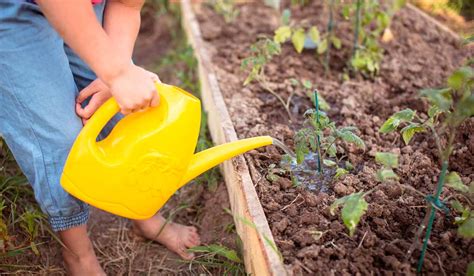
(64, 223)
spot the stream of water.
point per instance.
(306, 173)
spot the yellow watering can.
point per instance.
(146, 158)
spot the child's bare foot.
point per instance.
(176, 237)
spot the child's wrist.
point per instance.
(114, 71)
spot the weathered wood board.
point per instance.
(251, 223)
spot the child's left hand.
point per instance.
(99, 92)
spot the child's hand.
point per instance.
(134, 89)
(99, 92)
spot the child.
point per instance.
(42, 110)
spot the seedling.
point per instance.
(30, 220)
(321, 135)
(371, 21)
(226, 8)
(450, 107)
(389, 161)
(261, 53)
(298, 34)
(354, 205)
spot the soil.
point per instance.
(420, 56)
(119, 252)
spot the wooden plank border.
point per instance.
(260, 258)
(434, 21)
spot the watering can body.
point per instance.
(147, 156)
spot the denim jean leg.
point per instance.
(83, 75)
(37, 114)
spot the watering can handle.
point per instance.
(100, 118)
(105, 112)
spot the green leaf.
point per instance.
(386, 174)
(329, 163)
(405, 115)
(301, 147)
(439, 97)
(336, 42)
(350, 137)
(285, 17)
(340, 172)
(323, 104)
(220, 250)
(349, 166)
(465, 107)
(323, 46)
(434, 111)
(307, 84)
(387, 159)
(457, 206)
(398, 4)
(336, 204)
(466, 229)
(298, 38)
(460, 77)
(410, 130)
(282, 34)
(332, 150)
(383, 20)
(453, 180)
(396, 119)
(354, 208)
(294, 181)
(390, 125)
(313, 33)
(294, 82)
(346, 10)
(470, 267)
(34, 248)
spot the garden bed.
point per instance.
(421, 55)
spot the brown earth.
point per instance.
(420, 56)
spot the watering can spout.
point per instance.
(204, 160)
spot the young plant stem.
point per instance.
(263, 83)
(326, 150)
(419, 232)
(432, 212)
(318, 139)
(357, 28)
(329, 37)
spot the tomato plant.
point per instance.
(300, 34)
(320, 135)
(354, 205)
(371, 21)
(450, 107)
(261, 53)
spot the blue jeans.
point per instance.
(40, 78)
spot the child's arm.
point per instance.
(122, 23)
(75, 21)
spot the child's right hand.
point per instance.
(134, 89)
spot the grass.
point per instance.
(23, 227)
